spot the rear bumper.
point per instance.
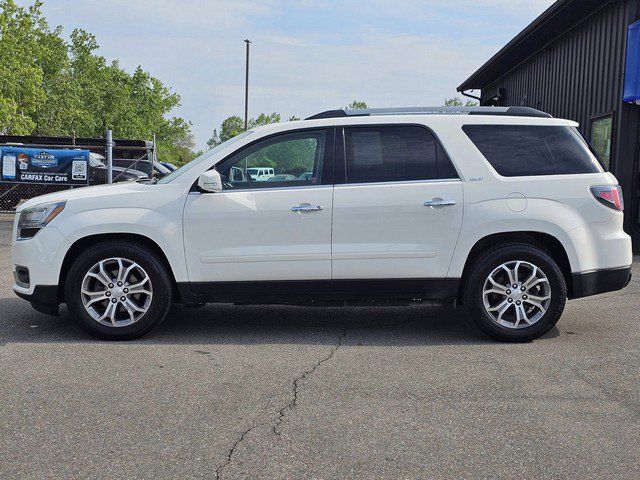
(44, 298)
(600, 281)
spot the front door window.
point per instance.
(287, 160)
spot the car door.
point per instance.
(263, 232)
(397, 211)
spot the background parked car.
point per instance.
(98, 171)
(283, 177)
(260, 174)
(170, 166)
(159, 170)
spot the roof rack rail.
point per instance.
(502, 111)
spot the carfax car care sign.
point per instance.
(45, 166)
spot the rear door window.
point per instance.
(527, 150)
(394, 154)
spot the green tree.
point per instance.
(214, 140)
(457, 102)
(234, 125)
(357, 105)
(231, 127)
(53, 87)
(21, 89)
(265, 119)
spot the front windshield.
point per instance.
(197, 161)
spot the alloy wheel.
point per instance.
(516, 294)
(116, 292)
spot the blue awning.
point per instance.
(632, 70)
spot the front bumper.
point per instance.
(600, 281)
(44, 298)
(42, 257)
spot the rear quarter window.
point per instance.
(526, 150)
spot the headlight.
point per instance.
(32, 220)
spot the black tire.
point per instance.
(486, 264)
(154, 267)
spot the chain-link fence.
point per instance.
(132, 160)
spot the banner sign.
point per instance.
(44, 165)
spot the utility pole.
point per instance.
(246, 87)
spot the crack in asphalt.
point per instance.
(232, 451)
(281, 413)
(295, 395)
(296, 382)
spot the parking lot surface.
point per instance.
(290, 392)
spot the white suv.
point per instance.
(260, 174)
(504, 210)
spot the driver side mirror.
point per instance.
(210, 181)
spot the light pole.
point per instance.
(246, 87)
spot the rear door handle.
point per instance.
(306, 207)
(439, 202)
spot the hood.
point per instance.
(86, 192)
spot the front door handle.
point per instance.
(439, 202)
(306, 207)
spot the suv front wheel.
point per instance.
(118, 290)
(515, 293)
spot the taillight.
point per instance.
(609, 196)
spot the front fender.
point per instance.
(165, 230)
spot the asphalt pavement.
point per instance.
(290, 392)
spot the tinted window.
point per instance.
(293, 159)
(394, 154)
(601, 135)
(522, 150)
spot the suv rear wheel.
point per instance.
(515, 293)
(118, 290)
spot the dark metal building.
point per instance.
(570, 62)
